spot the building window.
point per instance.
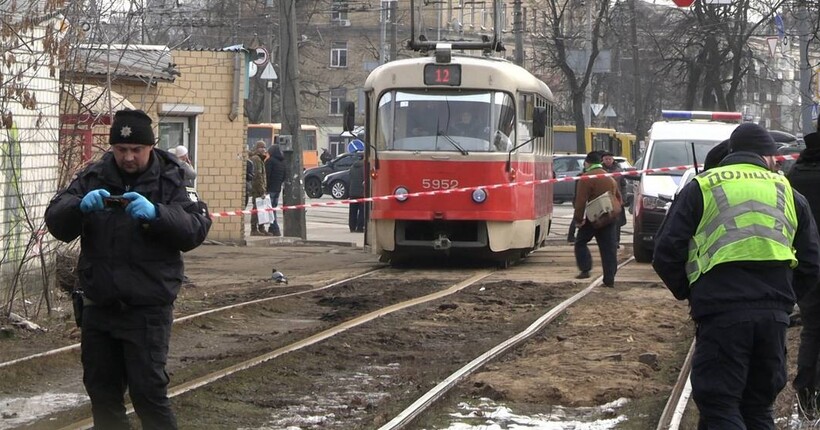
(338, 13)
(338, 54)
(338, 98)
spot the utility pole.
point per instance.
(636, 77)
(588, 55)
(393, 30)
(518, 29)
(289, 84)
(806, 102)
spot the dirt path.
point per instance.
(617, 343)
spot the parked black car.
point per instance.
(314, 176)
(337, 184)
(572, 165)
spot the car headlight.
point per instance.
(479, 195)
(401, 194)
(653, 203)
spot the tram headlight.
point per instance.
(479, 195)
(401, 194)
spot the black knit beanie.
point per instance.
(715, 155)
(751, 137)
(132, 127)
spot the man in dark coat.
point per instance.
(325, 157)
(587, 190)
(611, 166)
(276, 169)
(804, 177)
(134, 219)
(741, 246)
(355, 219)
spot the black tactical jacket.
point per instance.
(123, 260)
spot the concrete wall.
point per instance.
(28, 162)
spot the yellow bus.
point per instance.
(597, 139)
(629, 148)
(269, 132)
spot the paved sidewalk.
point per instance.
(317, 233)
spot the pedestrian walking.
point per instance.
(181, 153)
(325, 156)
(610, 166)
(741, 245)
(249, 174)
(804, 177)
(355, 218)
(603, 231)
(134, 219)
(276, 171)
(258, 185)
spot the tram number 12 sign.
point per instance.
(442, 74)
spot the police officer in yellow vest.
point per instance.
(742, 247)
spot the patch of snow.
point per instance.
(22, 410)
(488, 415)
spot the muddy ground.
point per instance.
(626, 342)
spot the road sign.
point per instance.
(262, 56)
(355, 145)
(772, 41)
(778, 25)
(683, 3)
(269, 73)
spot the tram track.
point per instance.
(214, 377)
(228, 325)
(232, 377)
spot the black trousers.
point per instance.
(809, 352)
(355, 216)
(605, 236)
(738, 368)
(127, 348)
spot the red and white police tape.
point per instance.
(467, 189)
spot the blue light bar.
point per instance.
(676, 114)
(695, 114)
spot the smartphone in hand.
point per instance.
(115, 202)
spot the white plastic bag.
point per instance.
(263, 206)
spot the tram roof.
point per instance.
(500, 74)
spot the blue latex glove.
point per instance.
(140, 208)
(93, 201)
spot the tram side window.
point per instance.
(526, 106)
(504, 116)
(385, 121)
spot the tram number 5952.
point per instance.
(439, 184)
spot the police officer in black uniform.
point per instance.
(134, 218)
(804, 177)
(742, 247)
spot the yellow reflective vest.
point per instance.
(748, 215)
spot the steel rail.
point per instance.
(199, 314)
(318, 337)
(676, 403)
(426, 400)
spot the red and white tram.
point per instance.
(452, 123)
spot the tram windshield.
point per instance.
(467, 121)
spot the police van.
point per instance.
(680, 139)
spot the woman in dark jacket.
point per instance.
(356, 211)
(276, 171)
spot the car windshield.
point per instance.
(464, 121)
(672, 153)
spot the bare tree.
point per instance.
(570, 27)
